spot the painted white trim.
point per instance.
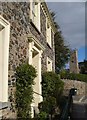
(48, 15)
(4, 22)
(36, 49)
(36, 41)
(30, 9)
(40, 66)
(36, 46)
(5, 49)
(49, 68)
(35, 14)
(38, 16)
(48, 33)
(30, 53)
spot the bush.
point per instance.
(73, 76)
(42, 116)
(25, 75)
(51, 84)
(52, 88)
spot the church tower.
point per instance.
(74, 68)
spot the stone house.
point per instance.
(26, 34)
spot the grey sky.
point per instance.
(71, 19)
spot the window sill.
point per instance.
(49, 45)
(32, 23)
(3, 105)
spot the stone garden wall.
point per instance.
(81, 86)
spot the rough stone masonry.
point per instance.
(18, 15)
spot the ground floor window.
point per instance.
(4, 53)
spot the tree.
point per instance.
(83, 67)
(53, 18)
(25, 75)
(62, 52)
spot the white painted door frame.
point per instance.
(36, 61)
(5, 35)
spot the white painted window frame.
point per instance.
(5, 49)
(49, 68)
(35, 13)
(48, 33)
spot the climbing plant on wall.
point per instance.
(25, 75)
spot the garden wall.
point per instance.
(81, 86)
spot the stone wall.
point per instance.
(41, 36)
(17, 14)
(81, 86)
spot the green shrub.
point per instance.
(51, 84)
(42, 116)
(73, 76)
(25, 75)
(52, 88)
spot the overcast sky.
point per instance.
(71, 18)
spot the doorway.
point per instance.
(35, 60)
(4, 55)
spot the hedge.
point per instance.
(73, 76)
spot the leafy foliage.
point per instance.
(83, 67)
(52, 88)
(51, 84)
(62, 51)
(53, 17)
(42, 116)
(73, 76)
(25, 75)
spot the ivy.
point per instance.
(25, 75)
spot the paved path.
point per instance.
(79, 111)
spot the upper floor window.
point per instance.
(4, 53)
(49, 64)
(35, 13)
(48, 32)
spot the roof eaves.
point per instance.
(48, 15)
